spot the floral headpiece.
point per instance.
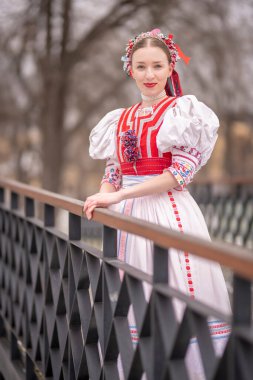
(175, 52)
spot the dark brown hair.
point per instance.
(154, 42)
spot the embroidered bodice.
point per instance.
(179, 136)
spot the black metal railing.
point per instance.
(64, 304)
(228, 209)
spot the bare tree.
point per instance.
(59, 72)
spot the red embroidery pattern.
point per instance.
(183, 172)
(219, 328)
(112, 175)
(192, 151)
(187, 262)
(134, 335)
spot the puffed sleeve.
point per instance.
(103, 136)
(189, 132)
(103, 146)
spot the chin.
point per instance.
(151, 91)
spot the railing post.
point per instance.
(109, 251)
(29, 213)
(160, 272)
(242, 304)
(2, 193)
(74, 227)
(14, 201)
(49, 216)
(29, 207)
(109, 242)
(2, 327)
(242, 310)
(74, 234)
(160, 275)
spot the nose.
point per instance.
(149, 73)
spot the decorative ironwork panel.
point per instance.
(228, 211)
(65, 307)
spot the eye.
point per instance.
(140, 67)
(158, 66)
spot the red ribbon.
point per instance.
(184, 57)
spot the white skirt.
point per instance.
(199, 278)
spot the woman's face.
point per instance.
(150, 69)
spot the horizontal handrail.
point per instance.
(44, 196)
(239, 260)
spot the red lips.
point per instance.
(150, 84)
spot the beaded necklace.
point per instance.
(149, 110)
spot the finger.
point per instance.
(85, 206)
(89, 214)
(90, 211)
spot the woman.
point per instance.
(153, 149)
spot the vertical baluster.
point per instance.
(14, 201)
(49, 216)
(29, 213)
(74, 227)
(2, 194)
(160, 275)
(2, 327)
(29, 207)
(109, 242)
(241, 302)
(242, 309)
(109, 250)
(74, 234)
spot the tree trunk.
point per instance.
(55, 77)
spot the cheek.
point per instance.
(163, 75)
(137, 77)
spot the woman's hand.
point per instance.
(157, 184)
(100, 200)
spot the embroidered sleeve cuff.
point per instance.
(185, 163)
(112, 175)
(182, 172)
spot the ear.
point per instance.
(170, 69)
(131, 74)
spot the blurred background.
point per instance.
(60, 72)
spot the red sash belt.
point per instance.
(146, 166)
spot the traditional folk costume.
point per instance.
(178, 135)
